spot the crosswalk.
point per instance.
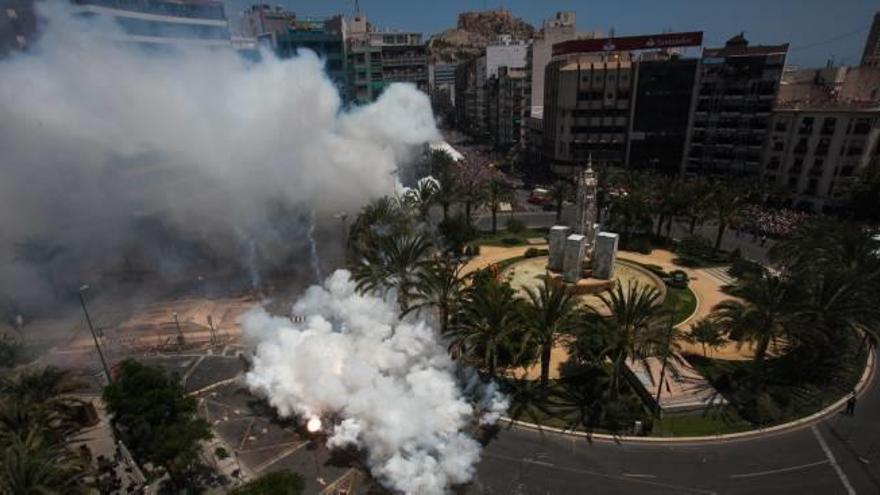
(720, 274)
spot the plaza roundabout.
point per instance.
(824, 452)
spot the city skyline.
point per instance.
(816, 30)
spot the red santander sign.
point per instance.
(626, 43)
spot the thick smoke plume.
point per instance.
(389, 383)
(114, 155)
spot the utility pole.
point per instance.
(82, 302)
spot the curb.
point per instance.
(861, 386)
(696, 308)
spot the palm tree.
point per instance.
(498, 190)
(706, 333)
(423, 196)
(695, 198)
(559, 192)
(550, 311)
(382, 217)
(471, 186)
(394, 264)
(630, 207)
(439, 286)
(29, 465)
(766, 311)
(725, 202)
(46, 392)
(634, 323)
(443, 170)
(488, 320)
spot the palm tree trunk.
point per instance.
(660, 224)
(445, 205)
(494, 218)
(546, 351)
(693, 226)
(558, 210)
(660, 382)
(669, 226)
(492, 364)
(722, 226)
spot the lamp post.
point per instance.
(180, 340)
(82, 301)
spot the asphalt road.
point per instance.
(839, 455)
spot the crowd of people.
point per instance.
(767, 222)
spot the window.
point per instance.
(828, 125)
(806, 126)
(781, 126)
(861, 126)
(822, 147)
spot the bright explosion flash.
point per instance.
(314, 424)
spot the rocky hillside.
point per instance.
(474, 31)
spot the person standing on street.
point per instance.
(851, 404)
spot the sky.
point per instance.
(816, 29)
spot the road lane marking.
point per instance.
(840, 474)
(681, 489)
(781, 470)
(635, 475)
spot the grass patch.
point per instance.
(712, 422)
(787, 395)
(508, 239)
(504, 264)
(682, 301)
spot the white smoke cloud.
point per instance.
(391, 383)
(96, 133)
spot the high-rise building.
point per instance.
(473, 100)
(264, 19)
(871, 54)
(378, 58)
(467, 112)
(591, 101)
(824, 130)
(325, 37)
(18, 25)
(156, 22)
(562, 27)
(511, 99)
(441, 82)
(664, 87)
(737, 85)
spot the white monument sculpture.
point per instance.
(572, 248)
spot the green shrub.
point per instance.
(511, 241)
(695, 247)
(639, 245)
(742, 267)
(221, 453)
(274, 483)
(516, 226)
(535, 252)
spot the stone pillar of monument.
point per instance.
(558, 233)
(572, 265)
(585, 210)
(604, 255)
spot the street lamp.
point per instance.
(82, 301)
(180, 340)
